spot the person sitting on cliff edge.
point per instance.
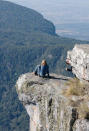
(42, 70)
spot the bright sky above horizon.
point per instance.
(60, 11)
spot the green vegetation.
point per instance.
(25, 39)
(14, 17)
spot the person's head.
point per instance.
(43, 62)
(67, 61)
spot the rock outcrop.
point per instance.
(78, 58)
(48, 108)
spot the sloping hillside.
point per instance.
(17, 18)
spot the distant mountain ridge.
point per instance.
(16, 17)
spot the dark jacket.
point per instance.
(42, 70)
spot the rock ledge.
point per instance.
(47, 107)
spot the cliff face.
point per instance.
(46, 105)
(79, 60)
(44, 102)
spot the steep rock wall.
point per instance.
(78, 58)
(46, 105)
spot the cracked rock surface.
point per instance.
(45, 103)
(78, 58)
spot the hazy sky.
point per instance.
(60, 11)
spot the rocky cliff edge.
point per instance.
(48, 108)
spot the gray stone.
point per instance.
(79, 60)
(81, 125)
(45, 102)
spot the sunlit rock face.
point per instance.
(44, 102)
(78, 58)
(48, 108)
(81, 125)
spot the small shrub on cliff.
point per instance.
(83, 111)
(78, 88)
(75, 87)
